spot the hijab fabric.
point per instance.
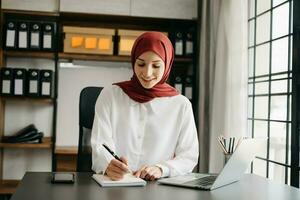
(161, 45)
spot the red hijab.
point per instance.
(161, 45)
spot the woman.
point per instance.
(145, 120)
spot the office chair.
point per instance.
(87, 101)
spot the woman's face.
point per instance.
(149, 69)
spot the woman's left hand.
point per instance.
(149, 173)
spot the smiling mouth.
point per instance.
(148, 80)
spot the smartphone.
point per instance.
(63, 177)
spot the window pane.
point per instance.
(250, 89)
(290, 108)
(277, 141)
(263, 5)
(291, 54)
(291, 22)
(289, 145)
(277, 2)
(261, 107)
(251, 8)
(263, 28)
(280, 55)
(264, 78)
(279, 86)
(278, 76)
(251, 33)
(262, 88)
(249, 128)
(277, 172)
(261, 130)
(262, 59)
(250, 103)
(279, 107)
(251, 62)
(280, 21)
(260, 167)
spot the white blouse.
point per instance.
(161, 132)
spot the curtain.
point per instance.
(223, 78)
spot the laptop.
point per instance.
(232, 171)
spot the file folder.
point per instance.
(35, 36)
(188, 87)
(46, 83)
(10, 39)
(33, 82)
(179, 43)
(178, 84)
(48, 36)
(19, 81)
(6, 81)
(23, 35)
(189, 44)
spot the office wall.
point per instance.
(71, 82)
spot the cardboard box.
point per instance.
(88, 40)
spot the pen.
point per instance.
(113, 154)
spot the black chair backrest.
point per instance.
(87, 101)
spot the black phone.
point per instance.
(63, 177)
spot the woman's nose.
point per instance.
(148, 71)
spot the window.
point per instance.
(270, 38)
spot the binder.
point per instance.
(35, 36)
(33, 82)
(6, 81)
(179, 43)
(19, 81)
(188, 87)
(23, 35)
(178, 84)
(189, 44)
(10, 39)
(46, 83)
(48, 36)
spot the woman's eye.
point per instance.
(141, 64)
(156, 66)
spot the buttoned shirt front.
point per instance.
(160, 132)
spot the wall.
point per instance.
(71, 82)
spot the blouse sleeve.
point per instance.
(102, 133)
(187, 149)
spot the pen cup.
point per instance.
(227, 157)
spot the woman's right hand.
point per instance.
(116, 169)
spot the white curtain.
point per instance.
(223, 77)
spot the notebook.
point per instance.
(128, 180)
(232, 171)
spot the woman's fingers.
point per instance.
(149, 173)
(138, 172)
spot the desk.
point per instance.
(37, 186)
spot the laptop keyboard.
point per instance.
(205, 181)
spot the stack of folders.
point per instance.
(229, 145)
(128, 180)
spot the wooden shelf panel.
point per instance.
(74, 56)
(28, 12)
(46, 144)
(8, 186)
(66, 150)
(33, 99)
(112, 58)
(29, 54)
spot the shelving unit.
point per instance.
(64, 158)
(46, 144)
(7, 187)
